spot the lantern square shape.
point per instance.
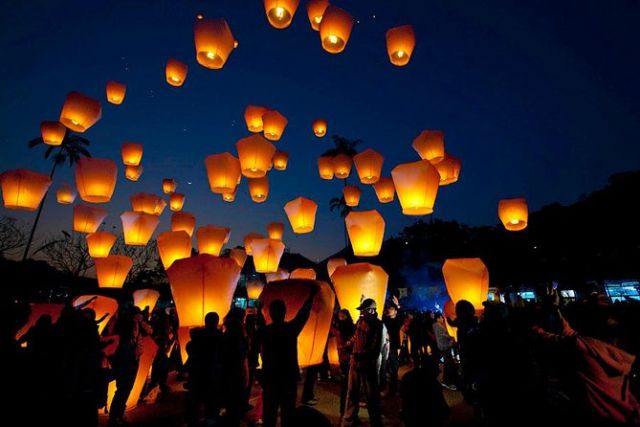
(266, 254)
(147, 203)
(325, 167)
(254, 288)
(96, 179)
(315, 10)
(275, 230)
(23, 189)
(335, 29)
(79, 112)
(138, 227)
(280, 160)
(400, 44)
(52, 133)
(211, 238)
(112, 270)
(366, 232)
(183, 221)
(368, 165)
(416, 184)
(466, 279)
(65, 195)
(513, 213)
(132, 153)
(169, 186)
(273, 125)
(176, 72)
(319, 127)
(214, 42)
(176, 202)
(385, 190)
(172, 246)
(430, 145)
(302, 214)
(116, 92)
(100, 243)
(133, 173)
(87, 219)
(229, 196)
(355, 282)
(351, 194)
(341, 166)
(259, 189)
(280, 12)
(253, 117)
(255, 154)
(223, 171)
(449, 170)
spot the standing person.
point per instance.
(469, 349)
(235, 366)
(310, 377)
(445, 343)
(163, 336)
(363, 373)
(212, 370)
(343, 330)
(280, 371)
(423, 403)
(393, 321)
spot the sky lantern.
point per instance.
(66, 194)
(23, 189)
(116, 92)
(183, 221)
(280, 160)
(280, 12)
(281, 274)
(275, 230)
(325, 167)
(341, 166)
(449, 169)
(147, 203)
(211, 238)
(273, 124)
(100, 243)
(385, 190)
(96, 179)
(52, 132)
(248, 240)
(223, 171)
(356, 282)
(430, 145)
(176, 72)
(266, 254)
(259, 189)
(303, 273)
(254, 288)
(334, 263)
(253, 117)
(138, 227)
(176, 202)
(315, 10)
(148, 350)
(313, 338)
(513, 213)
(143, 298)
(112, 270)
(366, 232)
(79, 112)
(101, 305)
(319, 127)
(230, 196)
(335, 29)
(302, 214)
(214, 42)
(173, 245)
(368, 165)
(255, 154)
(169, 185)
(133, 173)
(351, 194)
(87, 219)
(239, 255)
(466, 279)
(131, 153)
(400, 44)
(417, 186)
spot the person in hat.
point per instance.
(393, 321)
(366, 344)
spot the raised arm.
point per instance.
(301, 318)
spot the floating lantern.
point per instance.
(335, 29)
(449, 169)
(147, 203)
(214, 42)
(273, 124)
(417, 186)
(255, 154)
(280, 12)
(368, 165)
(248, 240)
(430, 145)
(303, 273)
(385, 190)
(514, 213)
(229, 196)
(354, 283)
(23, 189)
(183, 221)
(325, 167)
(319, 127)
(176, 72)
(133, 173)
(87, 219)
(466, 279)
(116, 92)
(103, 307)
(65, 194)
(211, 239)
(112, 270)
(80, 112)
(280, 160)
(334, 263)
(239, 255)
(341, 166)
(253, 117)
(400, 44)
(266, 254)
(52, 132)
(100, 243)
(259, 189)
(173, 245)
(315, 10)
(254, 288)
(168, 186)
(176, 202)
(96, 179)
(132, 153)
(281, 274)
(275, 230)
(223, 171)
(351, 194)
(302, 214)
(138, 227)
(366, 232)
(143, 298)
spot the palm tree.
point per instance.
(72, 148)
(340, 205)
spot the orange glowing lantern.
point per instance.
(368, 165)
(325, 167)
(176, 202)
(132, 153)
(335, 29)
(65, 194)
(143, 298)
(385, 190)
(417, 186)
(103, 307)
(275, 230)
(255, 155)
(315, 10)
(183, 221)
(112, 270)
(280, 160)
(400, 44)
(259, 189)
(23, 189)
(319, 127)
(172, 246)
(281, 274)
(332, 352)
(303, 273)
(96, 179)
(138, 227)
(341, 166)
(168, 186)
(223, 171)
(100, 243)
(116, 92)
(313, 338)
(302, 214)
(37, 310)
(176, 72)
(52, 132)
(366, 232)
(253, 117)
(430, 145)
(280, 12)
(351, 194)
(254, 288)
(273, 124)
(229, 196)
(449, 169)
(334, 263)
(80, 112)
(133, 173)
(147, 203)
(211, 239)
(239, 255)
(449, 310)
(466, 279)
(248, 240)
(87, 219)
(356, 282)
(214, 42)
(514, 213)
(266, 254)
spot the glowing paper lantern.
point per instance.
(303, 273)
(341, 166)
(80, 112)
(96, 179)
(168, 186)
(325, 167)
(248, 240)
(417, 186)
(143, 298)
(149, 350)
(356, 282)
(302, 214)
(334, 263)
(173, 245)
(259, 189)
(280, 12)
(65, 194)
(229, 196)
(253, 117)
(450, 313)
(176, 72)
(52, 132)
(319, 127)
(281, 274)
(254, 288)
(313, 338)
(223, 171)
(315, 10)
(466, 279)
(211, 239)
(131, 153)
(273, 124)
(147, 203)
(332, 352)
(366, 232)
(100, 243)
(112, 270)
(513, 213)
(255, 154)
(101, 305)
(335, 29)
(368, 165)
(133, 173)
(37, 310)
(176, 202)
(183, 221)
(400, 44)
(266, 254)
(116, 92)
(449, 169)
(275, 230)
(138, 227)
(430, 145)
(239, 256)
(23, 189)
(351, 194)
(214, 42)
(280, 160)
(87, 219)
(385, 190)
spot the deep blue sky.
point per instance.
(539, 99)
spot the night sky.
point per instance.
(539, 99)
